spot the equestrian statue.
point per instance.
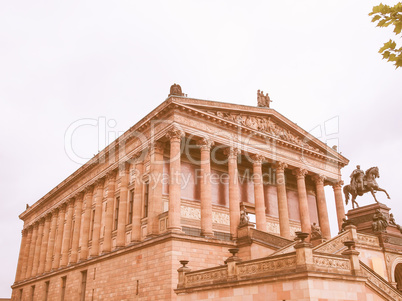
(362, 182)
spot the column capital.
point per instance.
(110, 175)
(79, 195)
(300, 173)
(124, 168)
(205, 143)
(257, 159)
(338, 184)
(280, 166)
(175, 133)
(49, 216)
(89, 189)
(232, 152)
(319, 179)
(157, 147)
(99, 182)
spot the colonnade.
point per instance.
(72, 232)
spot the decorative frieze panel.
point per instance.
(265, 125)
(330, 262)
(368, 240)
(380, 284)
(207, 276)
(336, 244)
(195, 213)
(266, 266)
(190, 212)
(220, 218)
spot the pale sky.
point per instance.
(115, 61)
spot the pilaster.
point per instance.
(107, 238)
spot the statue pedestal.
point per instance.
(362, 217)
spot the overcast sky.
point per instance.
(115, 61)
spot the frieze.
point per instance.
(393, 240)
(381, 284)
(273, 227)
(335, 245)
(336, 263)
(266, 266)
(190, 212)
(214, 275)
(220, 218)
(368, 240)
(265, 125)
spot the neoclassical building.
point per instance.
(153, 215)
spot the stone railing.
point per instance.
(379, 284)
(275, 241)
(266, 265)
(331, 262)
(369, 240)
(335, 244)
(205, 276)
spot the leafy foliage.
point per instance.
(385, 16)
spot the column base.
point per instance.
(177, 230)
(208, 234)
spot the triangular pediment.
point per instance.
(266, 121)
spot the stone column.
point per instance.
(67, 234)
(32, 250)
(97, 218)
(206, 201)
(155, 202)
(86, 223)
(107, 238)
(59, 237)
(124, 171)
(44, 247)
(340, 209)
(261, 220)
(234, 198)
(137, 202)
(24, 235)
(26, 253)
(322, 206)
(284, 224)
(77, 227)
(38, 245)
(175, 135)
(303, 203)
(50, 244)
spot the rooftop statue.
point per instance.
(362, 182)
(263, 100)
(175, 89)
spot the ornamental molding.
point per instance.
(267, 126)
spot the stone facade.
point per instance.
(170, 190)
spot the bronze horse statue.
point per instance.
(369, 184)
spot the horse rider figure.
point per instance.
(357, 179)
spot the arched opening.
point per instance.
(398, 276)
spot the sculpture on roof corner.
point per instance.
(175, 90)
(263, 100)
(362, 182)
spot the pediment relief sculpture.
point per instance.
(265, 125)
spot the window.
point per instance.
(116, 213)
(130, 206)
(83, 284)
(92, 223)
(63, 287)
(32, 292)
(146, 193)
(21, 292)
(47, 283)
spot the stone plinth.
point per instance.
(362, 217)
